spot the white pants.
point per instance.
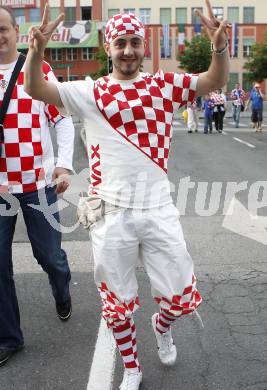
(192, 121)
(155, 237)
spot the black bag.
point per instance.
(242, 107)
(7, 96)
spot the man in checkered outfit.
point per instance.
(26, 173)
(220, 102)
(129, 115)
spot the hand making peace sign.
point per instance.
(39, 36)
(217, 30)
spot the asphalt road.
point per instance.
(230, 352)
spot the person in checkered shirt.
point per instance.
(219, 99)
(238, 96)
(128, 118)
(26, 174)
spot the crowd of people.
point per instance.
(214, 106)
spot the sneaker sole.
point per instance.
(65, 318)
(3, 362)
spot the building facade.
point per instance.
(247, 16)
(182, 11)
(76, 60)
(72, 51)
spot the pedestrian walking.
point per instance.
(129, 208)
(219, 99)
(26, 173)
(192, 115)
(208, 107)
(238, 97)
(256, 98)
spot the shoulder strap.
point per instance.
(10, 87)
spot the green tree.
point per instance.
(196, 57)
(102, 58)
(257, 61)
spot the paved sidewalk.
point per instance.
(230, 353)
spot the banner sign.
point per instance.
(80, 33)
(166, 40)
(19, 3)
(234, 40)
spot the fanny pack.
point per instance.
(91, 209)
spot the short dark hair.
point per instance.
(11, 14)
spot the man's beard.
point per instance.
(128, 70)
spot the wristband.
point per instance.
(219, 51)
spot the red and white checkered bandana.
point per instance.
(122, 24)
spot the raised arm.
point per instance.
(217, 74)
(34, 83)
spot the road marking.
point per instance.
(103, 364)
(224, 133)
(243, 142)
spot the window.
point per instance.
(164, 55)
(54, 12)
(129, 10)
(145, 14)
(35, 15)
(86, 13)
(56, 55)
(249, 15)
(233, 80)
(70, 14)
(71, 54)
(247, 43)
(60, 78)
(112, 12)
(165, 15)
(73, 78)
(19, 15)
(233, 14)
(88, 53)
(181, 15)
(218, 12)
(195, 18)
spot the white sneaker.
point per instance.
(131, 380)
(166, 349)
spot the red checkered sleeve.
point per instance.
(51, 112)
(181, 87)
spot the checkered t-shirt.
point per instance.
(129, 130)
(27, 159)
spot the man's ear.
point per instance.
(17, 29)
(107, 48)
